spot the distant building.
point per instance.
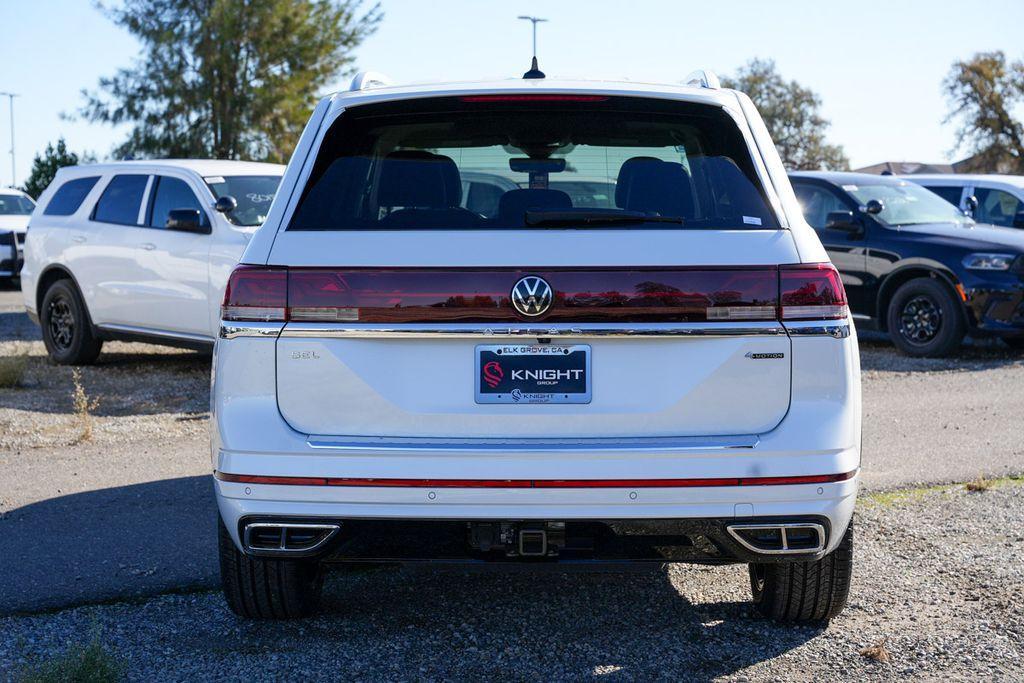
(972, 164)
(905, 168)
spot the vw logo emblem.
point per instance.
(531, 296)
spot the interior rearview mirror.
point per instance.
(874, 207)
(186, 220)
(841, 220)
(225, 204)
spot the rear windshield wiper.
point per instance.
(587, 217)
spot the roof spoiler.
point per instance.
(703, 78)
(365, 80)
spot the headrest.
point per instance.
(418, 179)
(654, 186)
(514, 203)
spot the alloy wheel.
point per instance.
(920, 320)
(61, 323)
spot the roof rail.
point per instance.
(365, 80)
(703, 78)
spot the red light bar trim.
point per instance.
(534, 483)
(534, 98)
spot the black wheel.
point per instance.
(67, 330)
(804, 591)
(263, 588)
(925, 319)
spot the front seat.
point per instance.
(654, 186)
(514, 204)
(423, 190)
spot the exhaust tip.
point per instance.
(286, 537)
(803, 538)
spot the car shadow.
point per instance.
(145, 539)
(878, 353)
(108, 544)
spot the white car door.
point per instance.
(173, 290)
(103, 250)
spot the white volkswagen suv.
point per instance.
(673, 378)
(139, 250)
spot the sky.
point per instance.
(877, 65)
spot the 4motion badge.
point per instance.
(764, 356)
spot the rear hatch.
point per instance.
(416, 308)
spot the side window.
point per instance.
(950, 194)
(121, 200)
(69, 196)
(817, 203)
(996, 207)
(170, 194)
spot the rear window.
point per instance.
(69, 196)
(533, 161)
(121, 200)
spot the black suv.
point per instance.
(913, 265)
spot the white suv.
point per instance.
(673, 378)
(15, 208)
(139, 250)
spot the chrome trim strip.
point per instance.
(816, 328)
(499, 331)
(146, 331)
(785, 550)
(332, 529)
(429, 445)
(230, 330)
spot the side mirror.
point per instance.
(841, 220)
(186, 220)
(1018, 219)
(225, 204)
(874, 207)
(971, 205)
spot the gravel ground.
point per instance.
(938, 579)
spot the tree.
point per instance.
(982, 92)
(792, 114)
(45, 165)
(226, 78)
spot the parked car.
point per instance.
(400, 378)
(915, 266)
(15, 208)
(993, 199)
(139, 250)
(481, 192)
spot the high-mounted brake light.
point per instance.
(533, 98)
(811, 291)
(256, 293)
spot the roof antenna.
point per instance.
(534, 71)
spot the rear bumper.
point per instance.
(715, 505)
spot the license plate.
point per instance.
(532, 373)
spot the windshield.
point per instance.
(907, 204)
(254, 193)
(508, 162)
(15, 205)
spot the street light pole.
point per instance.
(10, 96)
(534, 21)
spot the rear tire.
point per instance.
(804, 591)
(66, 326)
(925, 319)
(263, 588)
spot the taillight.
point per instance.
(811, 292)
(256, 293)
(423, 295)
